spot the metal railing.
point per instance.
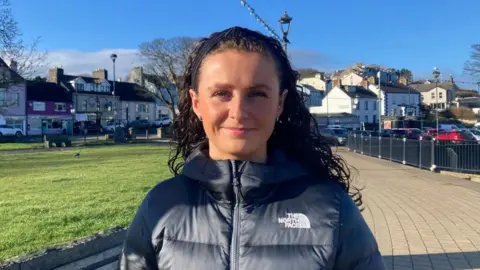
(425, 154)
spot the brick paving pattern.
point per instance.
(421, 220)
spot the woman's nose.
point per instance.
(239, 108)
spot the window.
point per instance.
(143, 108)
(60, 107)
(440, 95)
(433, 95)
(374, 118)
(422, 97)
(15, 100)
(366, 105)
(15, 123)
(2, 97)
(79, 86)
(39, 106)
(374, 105)
(366, 118)
(394, 101)
(84, 105)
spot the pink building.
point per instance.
(48, 108)
(12, 97)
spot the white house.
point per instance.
(355, 100)
(316, 81)
(446, 94)
(397, 100)
(351, 78)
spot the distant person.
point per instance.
(255, 186)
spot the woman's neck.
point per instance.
(259, 156)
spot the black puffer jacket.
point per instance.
(245, 215)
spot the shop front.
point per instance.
(49, 124)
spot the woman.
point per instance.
(255, 187)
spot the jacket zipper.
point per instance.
(236, 218)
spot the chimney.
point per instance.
(100, 74)
(364, 84)
(55, 75)
(403, 81)
(13, 65)
(136, 76)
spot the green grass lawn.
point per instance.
(20, 146)
(49, 198)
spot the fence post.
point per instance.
(379, 146)
(404, 145)
(420, 152)
(370, 143)
(391, 141)
(433, 167)
(354, 143)
(361, 144)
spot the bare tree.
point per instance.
(472, 67)
(164, 61)
(29, 60)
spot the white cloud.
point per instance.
(80, 62)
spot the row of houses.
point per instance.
(62, 99)
(358, 94)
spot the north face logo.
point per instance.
(295, 220)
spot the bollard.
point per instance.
(391, 140)
(433, 167)
(379, 146)
(420, 153)
(361, 144)
(404, 142)
(370, 140)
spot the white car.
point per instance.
(109, 127)
(162, 121)
(475, 133)
(6, 130)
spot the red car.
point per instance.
(454, 136)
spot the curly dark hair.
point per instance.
(296, 133)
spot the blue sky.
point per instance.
(80, 34)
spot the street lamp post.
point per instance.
(379, 76)
(354, 106)
(114, 57)
(285, 24)
(436, 74)
(326, 95)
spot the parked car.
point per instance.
(455, 136)
(475, 133)
(89, 126)
(339, 135)
(6, 130)
(110, 127)
(140, 124)
(329, 135)
(163, 121)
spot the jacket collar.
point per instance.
(257, 180)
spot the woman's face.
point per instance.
(238, 101)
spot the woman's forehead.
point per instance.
(238, 68)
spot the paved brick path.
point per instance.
(421, 220)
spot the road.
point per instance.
(421, 220)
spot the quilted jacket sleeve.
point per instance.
(138, 252)
(357, 247)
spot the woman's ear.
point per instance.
(281, 102)
(195, 102)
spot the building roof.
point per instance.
(427, 87)
(15, 76)
(338, 115)
(133, 92)
(124, 90)
(359, 91)
(47, 91)
(398, 88)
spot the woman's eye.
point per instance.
(258, 94)
(221, 94)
